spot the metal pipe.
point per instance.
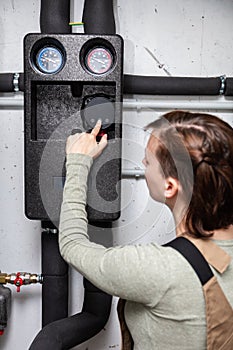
(134, 172)
(11, 102)
(151, 104)
(17, 103)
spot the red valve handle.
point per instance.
(18, 282)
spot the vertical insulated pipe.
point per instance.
(55, 17)
(98, 17)
(66, 332)
(55, 280)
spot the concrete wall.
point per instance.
(177, 38)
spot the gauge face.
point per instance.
(49, 60)
(99, 60)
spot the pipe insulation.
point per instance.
(55, 280)
(74, 330)
(11, 82)
(148, 85)
(98, 17)
(55, 17)
(229, 87)
(152, 85)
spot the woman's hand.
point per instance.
(86, 143)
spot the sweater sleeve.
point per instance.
(134, 272)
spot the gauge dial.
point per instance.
(99, 60)
(49, 60)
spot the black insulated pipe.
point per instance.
(55, 280)
(152, 85)
(229, 87)
(7, 82)
(98, 17)
(55, 17)
(74, 330)
(5, 306)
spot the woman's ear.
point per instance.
(172, 186)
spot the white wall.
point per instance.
(179, 38)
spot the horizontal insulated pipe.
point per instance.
(10, 82)
(55, 17)
(98, 17)
(55, 280)
(153, 85)
(229, 87)
(147, 85)
(69, 332)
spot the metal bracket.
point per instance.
(16, 82)
(223, 84)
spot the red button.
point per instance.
(101, 133)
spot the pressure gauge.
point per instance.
(49, 60)
(99, 60)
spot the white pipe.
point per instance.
(135, 172)
(11, 102)
(187, 105)
(16, 102)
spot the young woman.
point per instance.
(188, 166)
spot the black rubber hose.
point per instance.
(98, 17)
(55, 280)
(6, 82)
(69, 332)
(229, 87)
(152, 85)
(55, 17)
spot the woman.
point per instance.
(165, 306)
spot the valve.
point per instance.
(18, 282)
(20, 278)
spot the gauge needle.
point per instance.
(50, 60)
(98, 60)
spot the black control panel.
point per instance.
(71, 80)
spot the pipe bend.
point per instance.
(69, 332)
(74, 330)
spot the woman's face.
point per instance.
(153, 172)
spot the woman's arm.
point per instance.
(129, 272)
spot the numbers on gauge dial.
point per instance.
(49, 60)
(99, 60)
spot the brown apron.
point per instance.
(127, 340)
(219, 312)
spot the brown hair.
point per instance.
(209, 142)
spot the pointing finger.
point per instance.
(96, 128)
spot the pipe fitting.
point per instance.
(20, 278)
(16, 82)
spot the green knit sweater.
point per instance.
(165, 307)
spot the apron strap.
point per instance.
(194, 257)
